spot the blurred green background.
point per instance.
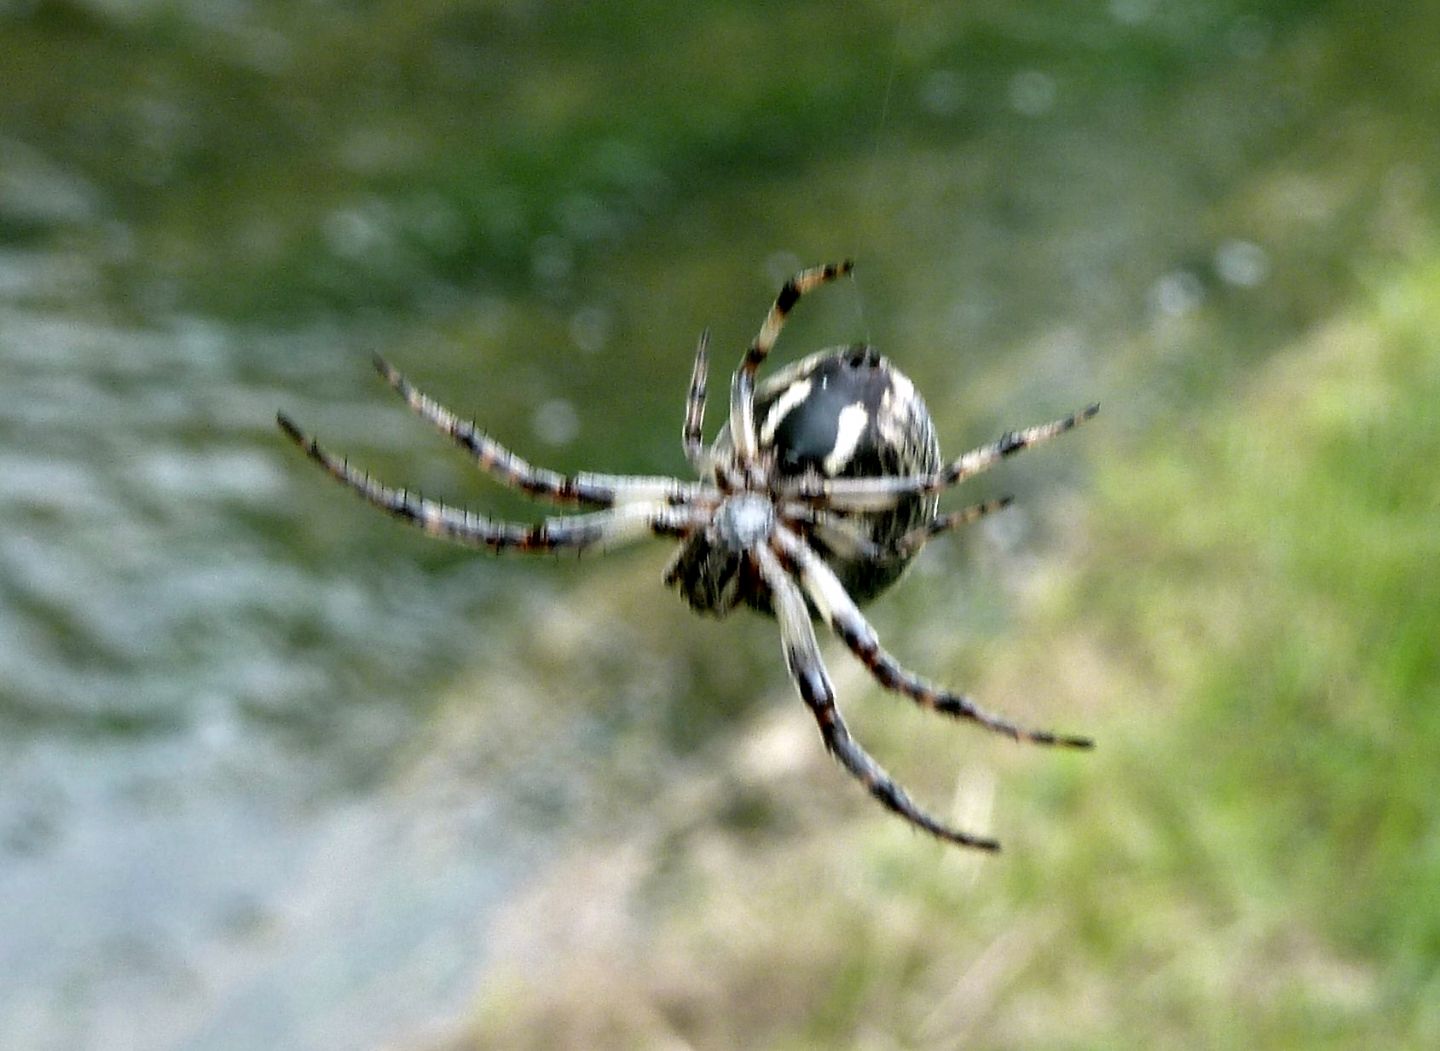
(276, 772)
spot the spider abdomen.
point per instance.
(845, 412)
(849, 413)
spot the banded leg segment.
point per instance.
(836, 532)
(840, 536)
(599, 530)
(844, 618)
(584, 489)
(918, 537)
(692, 435)
(879, 494)
(802, 656)
(742, 385)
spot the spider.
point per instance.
(814, 497)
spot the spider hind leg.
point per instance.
(596, 531)
(802, 657)
(585, 489)
(844, 618)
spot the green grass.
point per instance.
(1271, 582)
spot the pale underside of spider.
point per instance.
(822, 487)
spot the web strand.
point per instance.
(870, 187)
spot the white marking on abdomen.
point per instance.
(848, 429)
(793, 396)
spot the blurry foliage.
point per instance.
(275, 158)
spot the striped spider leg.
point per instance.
(691, 434)
(812, 681)
(621, 523)
(875, 494)
(634, 506)
(836, 533)
(585, 488)
(844, 618)
(742, 384)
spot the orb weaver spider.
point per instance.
(815, 496)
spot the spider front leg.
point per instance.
(599, 530)
(802, 657)
(844, 618)
(742, 385)
(691, 435)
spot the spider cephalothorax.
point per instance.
(820, 489)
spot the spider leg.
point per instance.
(835, 531)
(918, 537)
(585, 489)
(879, 494)
(598, 530)
(844, 618)
(742, 385)
(802, 656)
(690, 435)
(840, 536)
